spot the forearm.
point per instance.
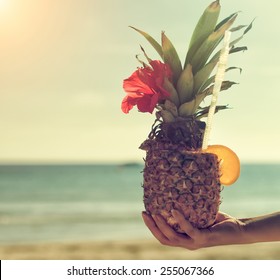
(262, 229)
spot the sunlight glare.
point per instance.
(4, 6)
(6, 10)
(3, 3)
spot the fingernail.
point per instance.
(145, 214)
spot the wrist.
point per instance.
(249, 230)
(263, 228)
(233, 232)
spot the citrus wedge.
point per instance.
(229, 163)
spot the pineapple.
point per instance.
(178, 174)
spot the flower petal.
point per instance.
(128, 103)
(147, 103)
(135, 84)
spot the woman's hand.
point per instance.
(226, 230)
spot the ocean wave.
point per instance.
(38, 213)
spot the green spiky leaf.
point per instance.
(151, 40)
(202, 76)
(171, 107)
(170, 56)
(203, 29)
(234, 68)
(172, 91)
(237, 28)
(187, 109)
(185, 85)
(225, 85)
(167, 116)
(225, 21)
(238, 49)
(203, 112)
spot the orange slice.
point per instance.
(229, 163)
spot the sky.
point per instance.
(62, 64)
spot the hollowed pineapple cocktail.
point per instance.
(178, 174)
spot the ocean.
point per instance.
(45, 203)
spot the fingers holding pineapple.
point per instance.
(157, 233)
(225, 231)
(185, 225)
(166, 235)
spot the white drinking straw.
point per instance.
(217, 87)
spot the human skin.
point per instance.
(227, 230)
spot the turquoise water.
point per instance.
(104, 202)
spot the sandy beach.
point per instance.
(135, 250)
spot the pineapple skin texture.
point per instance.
(177, 177)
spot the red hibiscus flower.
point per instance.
(145, 87)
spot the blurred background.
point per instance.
(70, 163)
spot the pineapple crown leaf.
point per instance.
(205, 26)
(141, 61)
(170, 57)
(188, 108)
(151, 40)
(170, 107)
(237, 28)
(225, 20)
(172, 91)
(146, 56)
(238, 49)
(234, 68)
(202, 76)
(209, 90)
(203, 112)
(185, 84)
